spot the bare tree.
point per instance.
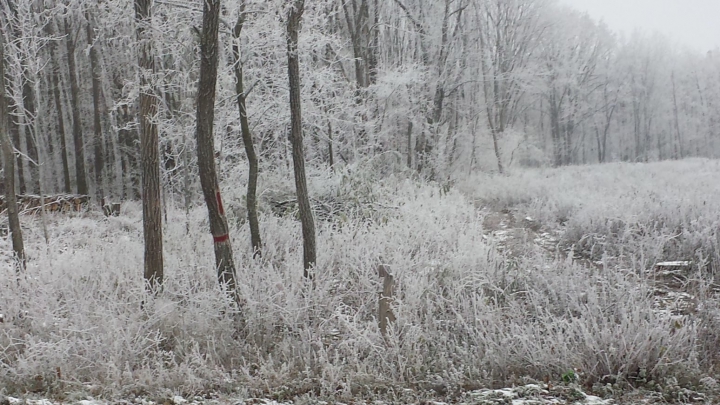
(152, 213)
(206, 145)
(296, 138)
(437, 57)
(571, 57)
(609, 100)
(363, 36)
(9, 166)
(247, 137)
(507, 29)
(675, 116)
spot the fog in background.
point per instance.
(688, 22)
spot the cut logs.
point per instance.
(32, 204)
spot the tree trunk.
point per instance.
(600, 151)
(636, 120)
(187, 193)
(14, 123)
(357, 23)
(409, 144)
(82, 187)
(373, 51)
(331, 154)
(29, 119)
(296, 137)
(9, 169)
(496, 149)
(677, 121)
(247, 139)
(55, 84)
(14, 129)
(97, 125)
(555, 129)
(127, 139)
(206, 145)
(150, 154)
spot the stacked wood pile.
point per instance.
(31, 204)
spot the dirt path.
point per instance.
(672, 284)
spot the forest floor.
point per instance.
(575, 248)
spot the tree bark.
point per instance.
(82, 186)
(206, 145)
(675, 116)
(296, 138)
(373, 51)
(13, 123)
(150, 154)
(247, 139)
(357, 23)
(97, 114)
(9, 169)
(14, 129)
(554, 106)
(55, 84)
(409, 144)
(331, 154)
(29, 120)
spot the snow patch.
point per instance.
(178, 400)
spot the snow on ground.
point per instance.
(531, 394)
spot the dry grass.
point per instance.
(635, 214)
(466, 316)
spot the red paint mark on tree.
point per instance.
(221, 238)
(219, 201)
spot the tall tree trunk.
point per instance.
(14, 129)
(409, 144)
(13, 123)
(331, 156)
(675, 115)
(296, 137)
(555, 129)
(373, 51)
(97, 114)
(127, 138)
(38, 122)
(9, 169)
(636, 120)
(82, 186)
(247, 139)
(63, 136)
(206, 145)
(496, 149)
(357, 23)
(149, 150)
(187, 193)
(55, 84)
(29, 120)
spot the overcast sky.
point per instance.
(692, 22)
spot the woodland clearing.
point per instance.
(540, 277)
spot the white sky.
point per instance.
(691, 22)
